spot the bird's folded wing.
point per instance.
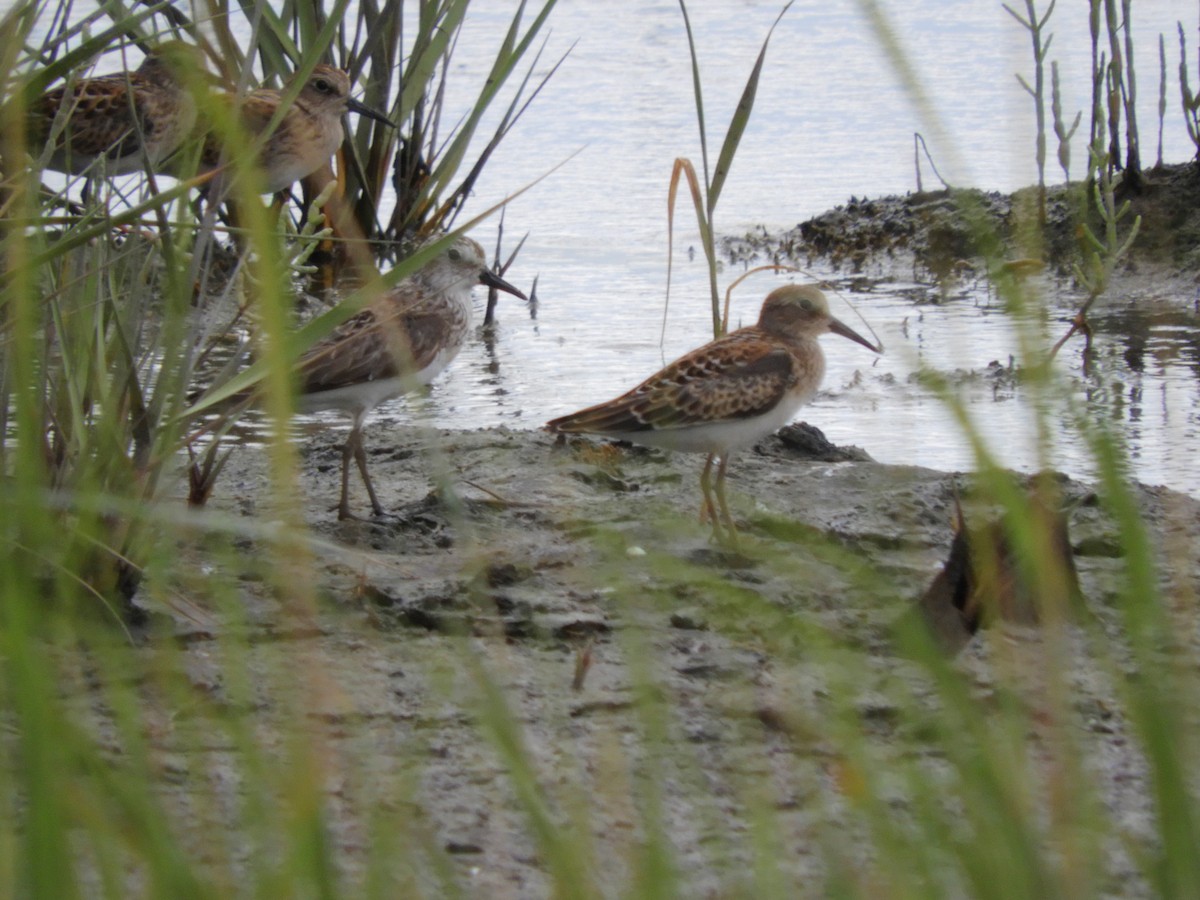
(720, 388)
(374, 345)
(105, 124)
(744, 379)
(356, 352)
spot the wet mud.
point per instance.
(576, 579)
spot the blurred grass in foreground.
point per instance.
(226, 764)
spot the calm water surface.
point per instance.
(830, 122)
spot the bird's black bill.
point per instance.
(839, 327)
(491, 279)
(354, 106)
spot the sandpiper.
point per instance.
(395, 346)
(307, 135)
(129, 119)
(727, 394)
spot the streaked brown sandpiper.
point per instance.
(396, 345)
(727, 394)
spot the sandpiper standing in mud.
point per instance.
(727, 394)
(399, 343)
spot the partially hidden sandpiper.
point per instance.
(727, 394)
(130, 120)
(395, 346)
(307, 135)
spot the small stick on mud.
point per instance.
(583, 664)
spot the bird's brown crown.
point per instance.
(794, 308)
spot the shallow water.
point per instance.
(1144, 380)
(830, 121)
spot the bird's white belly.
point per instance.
(719, 437)
(439, 362)
(357, 398)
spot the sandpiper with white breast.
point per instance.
(305, 138)
(399, 343)
(727, 394)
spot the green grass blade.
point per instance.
(741, 117)
(698, 93)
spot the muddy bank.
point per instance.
(529, 559)
(939, 233)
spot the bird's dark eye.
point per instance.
(455, 255)
(323, 86)
(806, 305)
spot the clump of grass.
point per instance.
(99, 339)
(433, 174)
(1103, 254)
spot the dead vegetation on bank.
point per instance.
(935, 230)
